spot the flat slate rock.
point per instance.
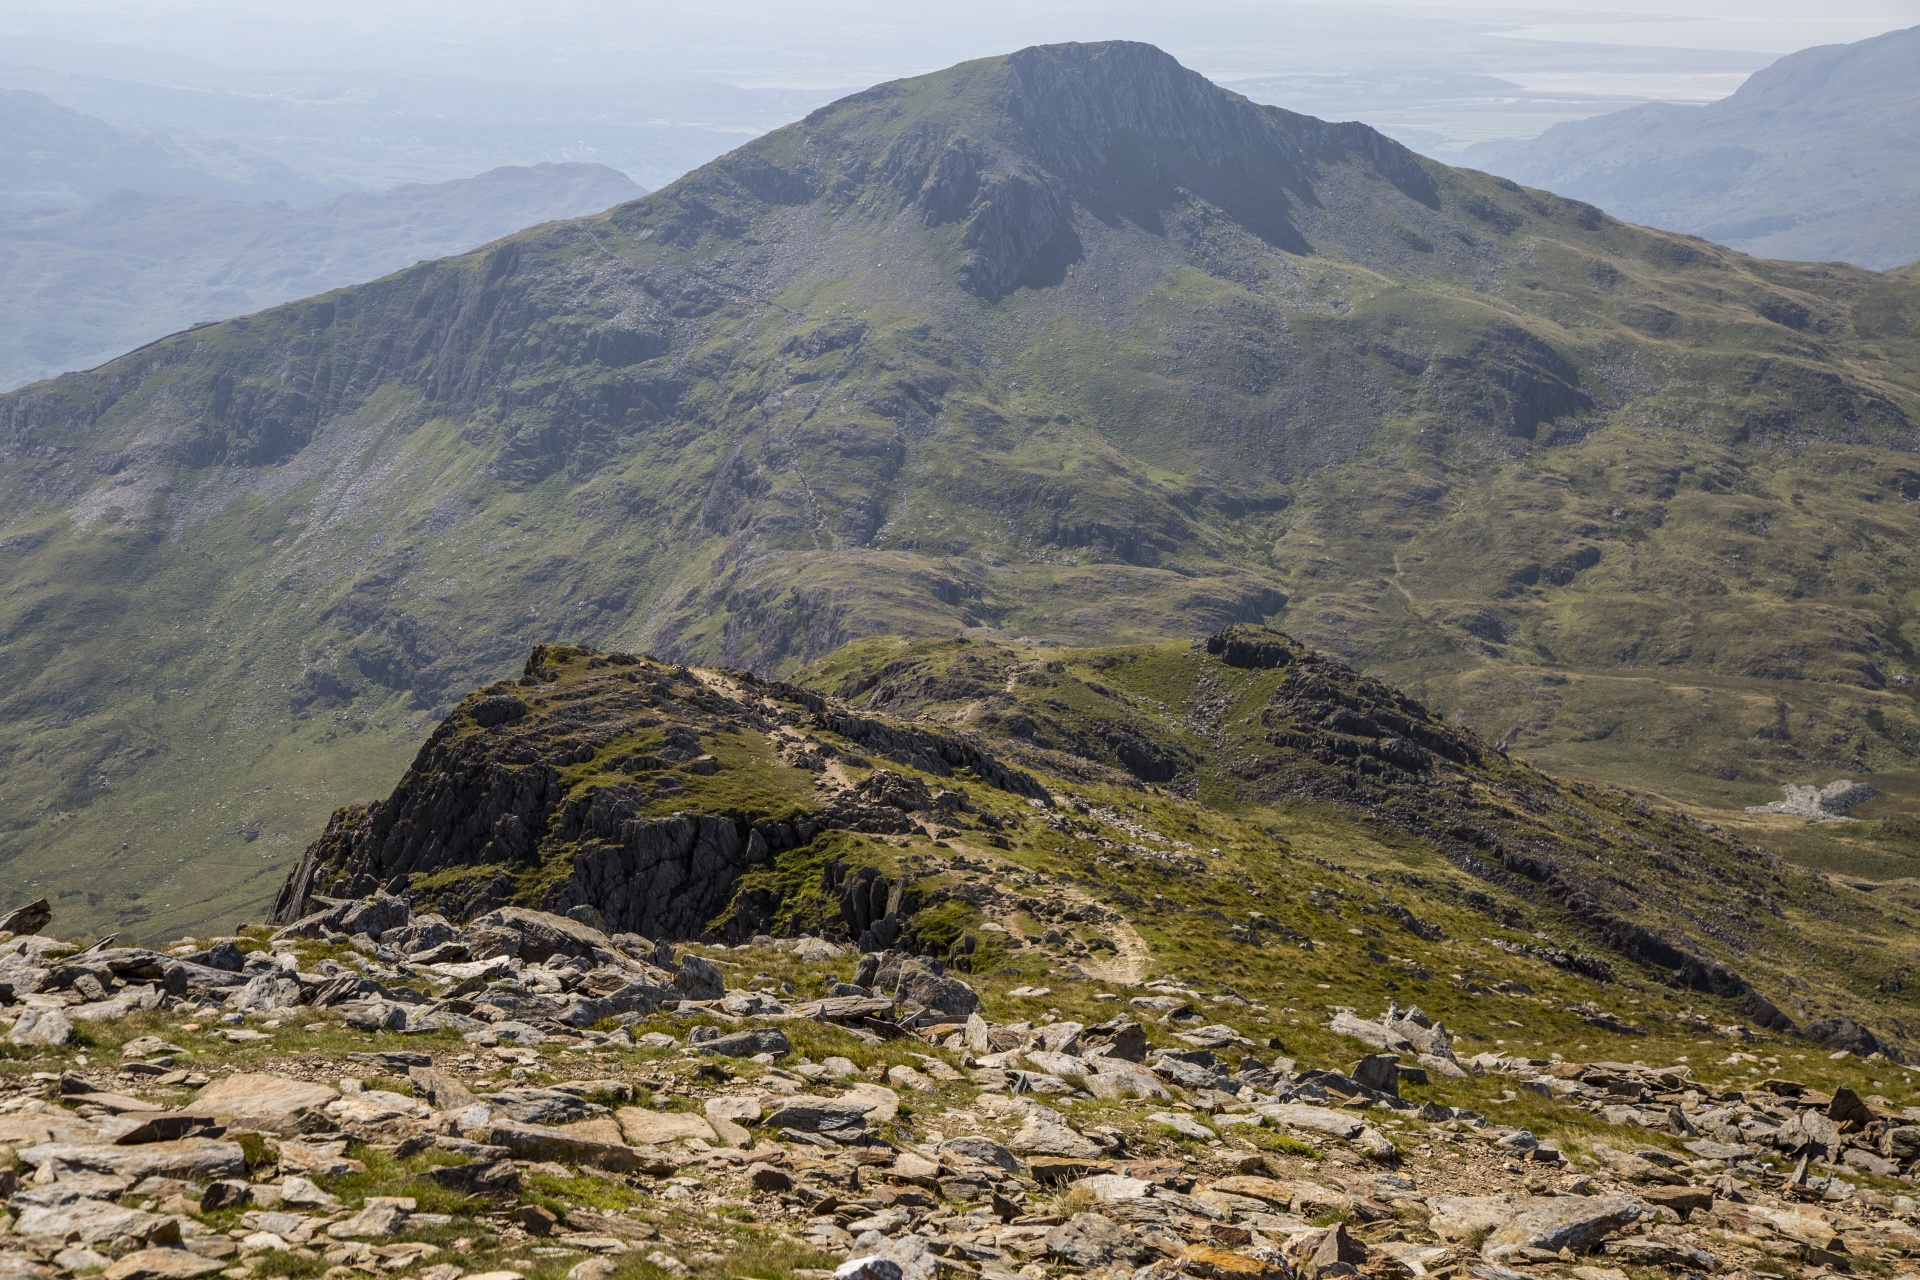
(642, 1128)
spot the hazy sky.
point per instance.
(371, 92)
(837, 42)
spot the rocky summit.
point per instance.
(1068, 345)
(1209, 959)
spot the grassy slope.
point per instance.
(746, 427)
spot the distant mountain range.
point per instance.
(1817, 157)
(79, 286)
(53, 157)
(1068, 345)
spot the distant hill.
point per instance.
(52, 157)
(80, 286)
(1817, 157)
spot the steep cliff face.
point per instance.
(642, 790)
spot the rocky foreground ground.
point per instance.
(371, 1092)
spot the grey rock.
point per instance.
(537, 1142)
(264, 994)
(480, 1178)
(746, 1044)
(189, 1159)
(659, 876)
(1808, 1131)
(1901, 1143)
(820, 1115)
(699, 979)
(1553, 1223)
(375, 1015)
(1868, 1162)
(41, 1029)
(939, 992)
(1091, 1240)
(1041, 1136)
(980, 1150)
(375, 916)
(542, 1106)
(96, 1222)
(31, 918)
(543, 934)
(637, 997)
(376, 1222)
(1379, 1072)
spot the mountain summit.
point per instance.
(1068, 345)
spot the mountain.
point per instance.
(1068, 345)
(1816, 157)
(54, 157)
(80, 286)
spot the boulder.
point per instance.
(1114, 1081)
(1309, 1119)
(699, 979)
(1115, 1186)
(375, 915)
(1043, 1136)
(1091, 1240)
(882, 1103)
(375, 1222)
(274, 1104)
(747, 1044)
(265, 993)
(543, 934)
(41, 1029)
(641, 1127)
(95, 1222)
(440, 1089)
(479, 1178)
(537, 1142)
(1208, 1263)
(1064, 1065)
(162, 1264)
(1183, 1124)
(807, 1114)
(729, 1116)
(189, 1159)
(635, 997)
(975, 1149)
(1379, 1072)
(940, 992)
(1285, 1192)
(1119, 1038)
(31, 918)
(766, 1177)
(1810, 1132)
(1796, 1222)
(1464, 1217)
(1519, 1227)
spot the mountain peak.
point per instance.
(1005, 147)
(1077, 103)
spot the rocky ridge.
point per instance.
(688, 804)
